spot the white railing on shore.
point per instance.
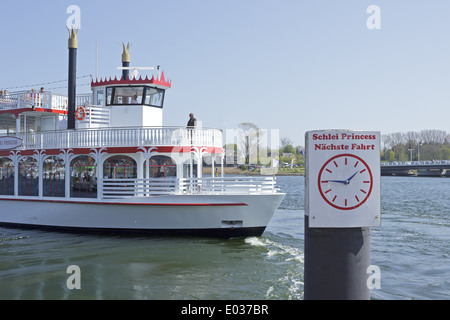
(124, 188)
(28, 99)
(122, 137)
(417, 163)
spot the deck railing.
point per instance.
(96, 116)
(122, 137)
(44, 100)
(28, 99)
(124, 188)
(228, 185)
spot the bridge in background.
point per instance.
(423, 168)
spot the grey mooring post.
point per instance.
(342, 202)
(336, 262)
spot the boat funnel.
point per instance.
(126, 61)
(72, 80)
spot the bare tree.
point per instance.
(433, 136)
(428, 144)
(248, 142)
(285, 142)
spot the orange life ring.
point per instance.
(80, 113)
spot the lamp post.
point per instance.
(410, 154)
(418, 151)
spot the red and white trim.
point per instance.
(161, 82)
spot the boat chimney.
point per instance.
(126, 61)
(72, 85)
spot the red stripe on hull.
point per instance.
(135, 203)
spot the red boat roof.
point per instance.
(162, 82)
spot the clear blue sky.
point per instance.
(291, 65)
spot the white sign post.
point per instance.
(342, 202)
(343, 178)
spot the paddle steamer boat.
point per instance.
(105, 163)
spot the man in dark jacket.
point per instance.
(192, 121)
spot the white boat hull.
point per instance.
(203, 215)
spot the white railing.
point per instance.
(84, 99)
(229, 185)
(417, 163)
(124, 188)
(96, 116)
(122, 137)
(28, 99)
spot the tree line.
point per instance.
(415, 146)
(430, 144)
(425, 145)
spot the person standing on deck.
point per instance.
(192, 121)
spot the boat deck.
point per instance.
(122, 137)
(17, 101)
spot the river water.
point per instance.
(411, 248)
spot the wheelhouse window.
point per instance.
(140, 95)
(109, 96)
(154, 97)
(101, 97)
(128, 95)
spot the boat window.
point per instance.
(83, 177)
(120, 167)
(6, 177)
(128, 95)
(100, 97)
(134, 95)
(162, 167)
(109, 95)
(119, 172)
(190, 168)
(154, 97)
(54, 177)
(28, 177)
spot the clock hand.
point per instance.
(348, 180)
(338, 181)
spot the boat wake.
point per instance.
(286, 252)
(289, 264)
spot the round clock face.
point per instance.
(345, 181)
